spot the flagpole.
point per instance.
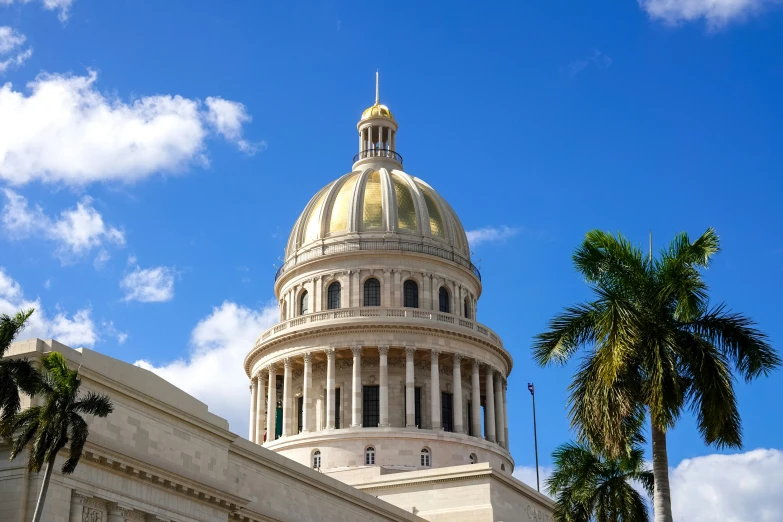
(532, 389)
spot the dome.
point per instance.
(377, 110)
(379, 204)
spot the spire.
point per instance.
(377, 90)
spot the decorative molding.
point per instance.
(308, 357)
(357, 351)
(92, 515)
(383, 350)
(329, 354)
(287, 363)
(410, 351)
(95, 503)
(456, 358)
(434, 354)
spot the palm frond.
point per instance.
(79, 433)
(94, 404)
(736, 336)
(610, 260)
(11, 326)
(566, 333)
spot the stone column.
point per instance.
(330, 389)
(383, 388)
(426, 298)
(476, 400)
(358, 299)
(356, 388)
(489, 412)
(457, 387)
(396, 290)
(317, 295)
(505, 412)
(410, 392)
(307, 393)
(271, 404)
(253, 408)
(500, 429)
(261, 405)
(435, 389)
(386, 300)
(77, 508)
(287, 397)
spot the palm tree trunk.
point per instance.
(42, 495)
(662, 502)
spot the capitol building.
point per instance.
(378, 396)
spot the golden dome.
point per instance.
(378, 204)
(377, 110)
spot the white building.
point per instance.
(378, 375)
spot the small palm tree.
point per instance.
(56, 422)
(655, 346)
(15, 374)
(591, 487)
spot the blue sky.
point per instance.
(154, 156)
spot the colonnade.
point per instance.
(264, 386)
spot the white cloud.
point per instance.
(227, 117)
(732, 488)
(149, 285)
(10, 53)
(109, 329)
(76, 231)
(213, 371)
(66, 131)
(490, 234)
(63, 6)
(77, 330)
(716, 13)
(527, 475)
(597, 58)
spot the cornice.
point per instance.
(326, 329)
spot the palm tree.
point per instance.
(654, 346)
(591, 487)
(56, 422)
(15, 374)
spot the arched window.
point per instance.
(502, 467)
(303, 303)
(410, 292)
(425, 458)
(369, 456)
(467, 308)
(372, 292)
(333, 296)
(316, 459)
(443, 299)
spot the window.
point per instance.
(502, 467)
(425, 458)
(467, 308)
(299, 409)
(369, 456)
(473, 458)
(443, 299)
(337, 408)
(470, 418)
(410, 292)
(372, 292)
(303, 303)
(446, 411)
(370, 406)
(317, 459)
(333, 296)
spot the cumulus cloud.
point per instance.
(213, 371)
(66, 131)
(10, 53)
(716, 13)
(732, 488)
(62, 6)
(76, 231)
(149, 285)
(490, 234)
(227, 117)
(76, 330)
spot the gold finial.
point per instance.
(377, 90)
